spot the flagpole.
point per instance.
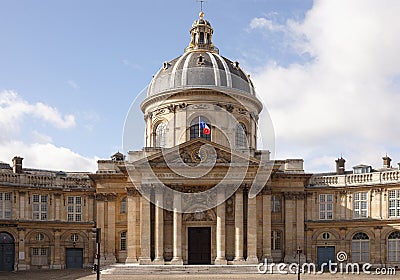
(199, 127)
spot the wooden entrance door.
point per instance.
(7, 252)
(199, 242)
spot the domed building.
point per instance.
(200, 192)
(201, 85)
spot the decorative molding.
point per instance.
(132, 191)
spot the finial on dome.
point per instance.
(201, 33)
(201, 6)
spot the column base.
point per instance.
(177, 261)
(220, 261)
(239, 260)
(131, 260)
(159, 261)
(252, 260)
(268, 258)
(294, 258)
(107, 259)
(56, 266)
(144, 260)
(22, 267)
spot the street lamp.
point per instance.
(298, 270)
(96, 267)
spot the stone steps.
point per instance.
(123, 269)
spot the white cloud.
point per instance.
(47, 156)
(345, 100)
(13, 109)
(264, 23)
(38, 149)
(41, 138)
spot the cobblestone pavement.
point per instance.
(89, 275)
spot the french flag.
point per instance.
(204, 127)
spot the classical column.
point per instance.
(131, 216)
(267, 225)
(145, 231)
(239, 226)
(159, 227)
(177, 231)
(221, 259)
(252, 231)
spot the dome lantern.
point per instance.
(201, 35)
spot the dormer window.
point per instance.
(200, 60)
(165, 65)
(360, 169)
(236, 65)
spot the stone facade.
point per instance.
(201, 117)
(48, 215)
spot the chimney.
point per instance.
(17, 165)
(386, 162)
(340, 166)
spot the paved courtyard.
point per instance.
(89, 275)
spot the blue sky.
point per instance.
(70, 70)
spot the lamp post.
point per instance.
(96, 267)
(298, 270)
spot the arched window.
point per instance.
(123, 205)
(123, 241)
(275, 204)
(360, 247)
(241, 136)
(394, 247)
(200, 128)
(275, 240)
(161, 130)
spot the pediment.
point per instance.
(198, 152)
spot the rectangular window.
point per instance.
(275, 204)
(275, 240)
(394, 203)
(40, 256)
(5, 205)
(360, 251)
(123, 241)
(326, 206)
(360, 205)
(74, 208)
(39, 208)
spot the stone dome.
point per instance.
(201, 66)
(201, 69)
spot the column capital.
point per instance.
(111, 197)
(132, 191)
(266, 190)
(100, 196)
